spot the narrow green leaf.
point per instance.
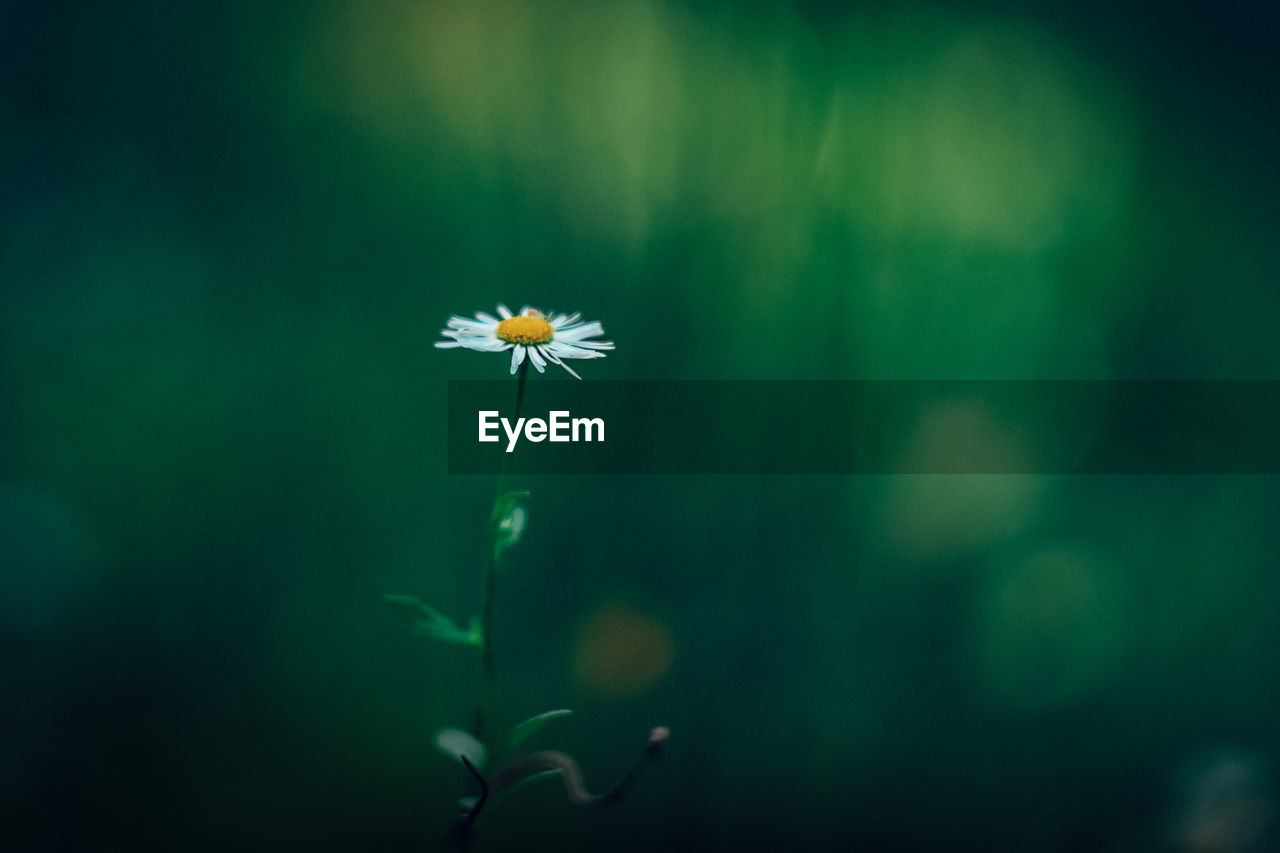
(429, 622)
(521, 732)
(532, 777)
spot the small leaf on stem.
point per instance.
(532, 777)
(429, 622)
(521, 732)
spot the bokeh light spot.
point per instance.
(1050, 628)
(621, 651)
(932, 517)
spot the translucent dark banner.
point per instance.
(865, 427)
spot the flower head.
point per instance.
(530, 334)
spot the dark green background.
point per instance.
(229, 236)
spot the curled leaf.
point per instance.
(505, 503)
(509, 530)
(429, 622)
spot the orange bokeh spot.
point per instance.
(621, 652)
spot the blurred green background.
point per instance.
(229, 236)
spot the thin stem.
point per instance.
(484, 791)
(459, 837)
(490, 728)
(506, 459)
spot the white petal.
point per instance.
(484, 346)
(565, 320)
(547, 350)
(564, 350)
(572, 372)
(488, 318)
(537, 359)
(592, 344)
(464, 323)
(517, 356)
(447, 344)
(587, 330)
(504, 312)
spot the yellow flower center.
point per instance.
(525, 330)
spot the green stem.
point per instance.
(490, 729)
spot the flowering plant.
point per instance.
(492, 756)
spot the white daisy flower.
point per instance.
(529, 334)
